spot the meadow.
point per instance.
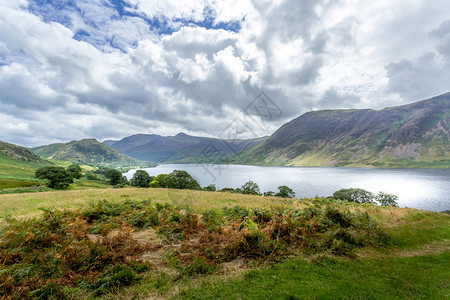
(204, 245)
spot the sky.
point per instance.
(107, 69)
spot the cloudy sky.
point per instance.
(72, 69)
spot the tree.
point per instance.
(354, 195)
(91, 176)
(75, 171)
(285, 192)
(162, 180)
(124, 180)
(269, 194)
(57, 176)
(141, 179)
(386, 199)
(250, 188)
(180, 179)
(114, 176)
(154, 184)
(212, 188)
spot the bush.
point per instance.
(57, 176)
(354, 195)
(199, 265)
(118, 276)
(386, 199)
(269, 194)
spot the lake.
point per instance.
(427, 189)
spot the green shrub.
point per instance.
(199, 265)
(119, 276)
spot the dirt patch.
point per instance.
(235, 267)
(158, 248)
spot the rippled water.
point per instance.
(427, 189)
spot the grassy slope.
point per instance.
(16, 169)
(413, 266)
(17, 176)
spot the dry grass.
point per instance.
(27, 204)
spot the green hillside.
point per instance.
(17, 166)
(89, 152)
(414, 135)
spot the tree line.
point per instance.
(58, 177)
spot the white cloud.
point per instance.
(86, 71)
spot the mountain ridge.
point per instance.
(180, 148)
(414, 134)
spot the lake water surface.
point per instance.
(427, 189)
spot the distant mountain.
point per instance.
(414, 135)
(19, 153)
(90, 152)
(181, 148)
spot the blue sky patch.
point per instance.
(60, 11)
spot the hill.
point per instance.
(181, 148)
(88, 152)
(19, 153)
(17, 166)
(414, 135)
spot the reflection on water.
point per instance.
(418, 188)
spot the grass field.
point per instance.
(28, 205)
(412, 265)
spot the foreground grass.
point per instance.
(327, 278)
(411, 265)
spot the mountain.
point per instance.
(414, 135)
(90, 152)
(181, 148)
